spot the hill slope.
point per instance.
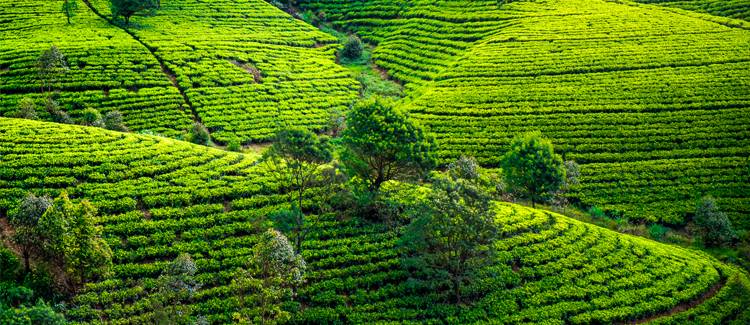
(239, 67)
(160, 197)
(653, 103)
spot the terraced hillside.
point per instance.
(108, 69)
(239, 67)
(159, 197)
(245, 66)
(739, 9)
(653, 103)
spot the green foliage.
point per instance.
(69, 8)
(199, 134)
(234, 145)
(58, 115)
(9, 266)
(113, 121)
(295, 160)
(27, 109)
(451, 237)
(272, 276)
(713, 225)
(176, 287)
(382, 144)
(25, 219)
(92, 117)
(127, 8)
(39, 313)
(657, 231)
(532, 168)
(353, 48)
(71, 239)
(50, 65)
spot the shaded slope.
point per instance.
(652, 102)
(159, 197)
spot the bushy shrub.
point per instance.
(713, 225)
(657, 231)
(113, 121)
(353, 48)
(234, 145)
(92, 117)
(597, 212)
(58, 115)
(199, 134)
(27, 109)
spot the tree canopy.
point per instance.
(127, 8)
(382, 144)
(531, 167)
(450, 237)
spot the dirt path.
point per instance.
(685, 305)
(168, 72)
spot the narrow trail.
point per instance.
(685, 305)
(168, 72)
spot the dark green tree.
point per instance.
(272, 276)
(712, 224)
(50, 65)
(199, 134)
(382, 144)
(353, 48)
(531, 167)
(69, 8)
(92, 117)
(128, 8)
(24, 220)
(113, 121)
(295, 159)
(176, 287)
(27, 109)
(70, 238)
(450, 238)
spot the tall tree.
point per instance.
(295, 159)
(69, 8)
(450, 238)
(50, 65)
(70, 237)
(532, 168)
(712, 224)
(176, 286)
(128, 8)
(382, 144)
(271, 277)
(24, 220)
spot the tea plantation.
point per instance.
(653, 102)
(159, 197)
(649, 98)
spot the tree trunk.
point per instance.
(26, 265)
(457, 290)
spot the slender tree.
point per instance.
(25, 220)
(70, 238)
(450, 238)
(50, 65)
(713, 225)
(532, 168)
(295, 159)
(271, 277)
(69, 8)
(381, 144)
(176, 287)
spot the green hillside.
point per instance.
(239, 67)
(652, 102)
(739, 9)
(159, 197)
